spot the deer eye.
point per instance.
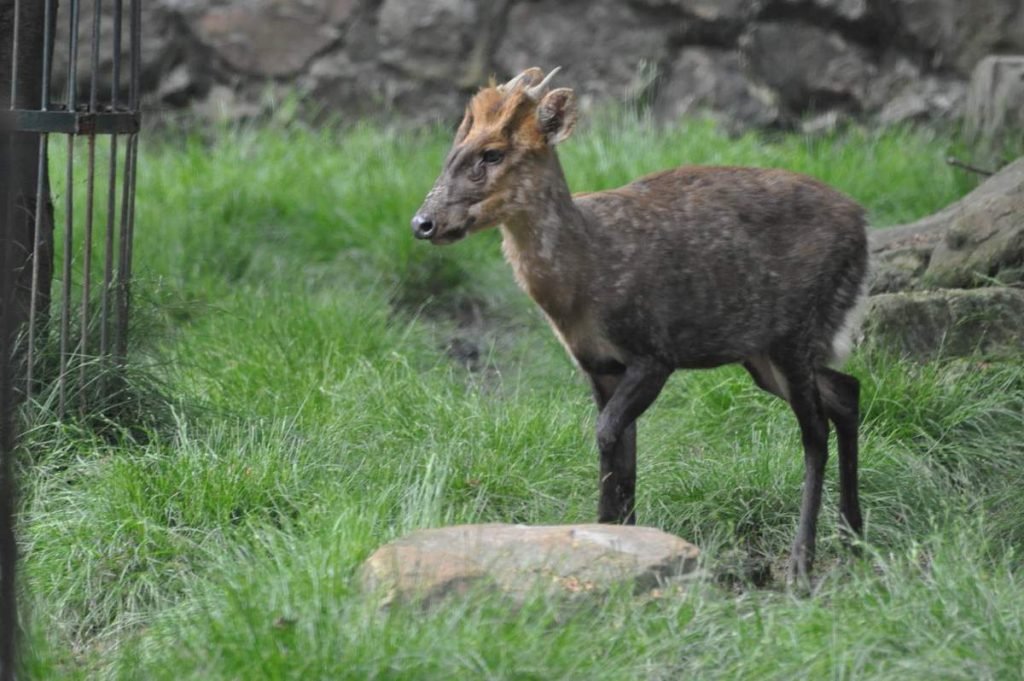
(492, 156)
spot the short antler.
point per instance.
(528, 79)
(535, 92)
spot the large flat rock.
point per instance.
(518, 560)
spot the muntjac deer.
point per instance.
(683, 269)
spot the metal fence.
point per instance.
(39, 350)
(97, 45)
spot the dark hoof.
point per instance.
(798, 576)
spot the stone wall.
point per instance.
(752, 62)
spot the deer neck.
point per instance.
(544, 240)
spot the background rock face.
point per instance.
(274, 38)
(708, 79)
(752, 62)
(604, 45)
(995, 104)
(810, 67)
(959, 34)
(429, 42)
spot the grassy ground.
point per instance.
(312, 413)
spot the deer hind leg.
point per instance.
(621, 399)
(806, 402)
(840, 394)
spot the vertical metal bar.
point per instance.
(116, 66)
(90, 192)
(37, 236)
(108, 264)
(73, 55)
(87, 268)
(48, 20)
(128, 193)
(121, 337)
(136, 54)
(14, 54)
(65, 303)
(108, 250)
(131, 207)
(94, 63)
(36, 249)
(69, 219)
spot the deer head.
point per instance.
(507, 135)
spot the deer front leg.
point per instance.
(617, 481)
(622, 399)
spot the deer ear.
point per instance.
(556, 115)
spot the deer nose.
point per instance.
(423, 227)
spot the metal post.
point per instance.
(8, 545)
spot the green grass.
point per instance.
(295, 334)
